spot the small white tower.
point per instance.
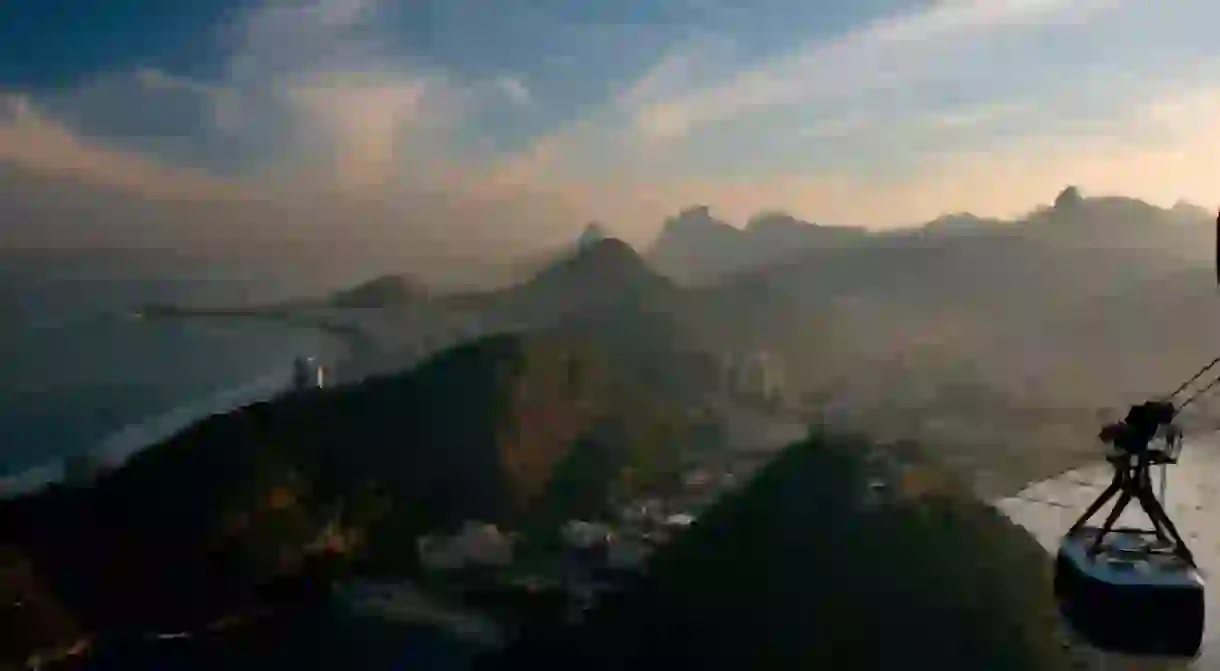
(307, 373)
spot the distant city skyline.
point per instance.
(876, 113)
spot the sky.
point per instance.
(466, 118)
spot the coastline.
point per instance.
(112, 449)
(362, 348)
(996, 477)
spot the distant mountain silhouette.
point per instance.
(839, 554)
(1047, 319)
(1068, 201)
(1190, 212)
(380, 292)
(963, 223)
(776, 233)
(695, 246)
(605, 293)
(603, 275)
(601, 265)
(593, 233)
(522, 269)
(226, 515)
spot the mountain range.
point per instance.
(1004, 338)
(696, 247)
(996, 344)
(1094, 302)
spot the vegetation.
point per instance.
(228, 514)
(802, 570)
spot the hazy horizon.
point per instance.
(446, 131)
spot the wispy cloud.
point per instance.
(837, 127)
(905, 50)
(351, 106)
(989, 105)
(353, 128)
(222, 101)
(515, 90)
(966, 118)
(30, 139)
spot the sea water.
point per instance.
(80, 372)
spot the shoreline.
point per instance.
(113, 449)
(361, 347)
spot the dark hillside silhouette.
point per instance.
(381, 292)
(271, 501)
(817, 565)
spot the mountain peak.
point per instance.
(1189, 210)
(607, 254)
(695, 246)
(960, 222)
(383, 291)
(775, 220)
(593, 233)
(604, 264)
(695, 217)
(1068, 199)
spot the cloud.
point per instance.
(356, 125)
(978, 116)
(1183, 112)
(1009, 177)
(515, 90)
(310, 99)
(837, 127)
(30, 139)
(348, 144)
(352, 107)
(1138, 136)
(862, 102)
(340, 13)
(157, 79)
(892, 121)
(895, 50)
(222, 101)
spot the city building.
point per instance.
(307, 373)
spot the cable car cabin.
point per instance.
(1133, 591)
(1134, 596)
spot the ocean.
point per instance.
(78, 369)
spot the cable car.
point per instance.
(1136, 591)
(1127, 590)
